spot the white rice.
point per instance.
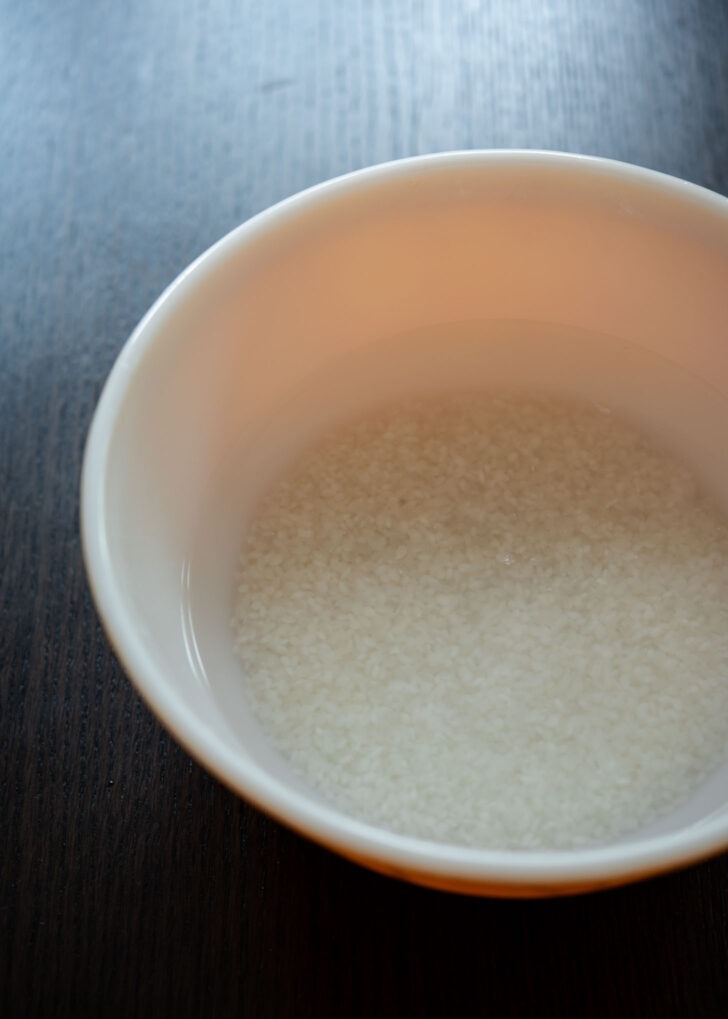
(496, 620)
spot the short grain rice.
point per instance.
(494, 619)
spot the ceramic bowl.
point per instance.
(214, 381)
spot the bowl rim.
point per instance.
(440, 864)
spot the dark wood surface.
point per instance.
(132, 135)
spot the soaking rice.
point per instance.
(493, 619)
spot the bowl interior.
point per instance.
(557, 274)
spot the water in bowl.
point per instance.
(670, 406)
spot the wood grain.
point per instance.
(131, 137)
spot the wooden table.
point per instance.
(132, 135)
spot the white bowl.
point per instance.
(286, 305)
